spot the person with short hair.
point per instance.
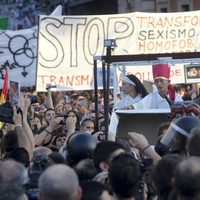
(103, 153)
(193, 143)
(85, 169)
(59, 182)
(187, 179)
(124, 176)
(95, 190)
(83, 107)
(162, 174)
(87, 125)
(13, 176)
(45, 137)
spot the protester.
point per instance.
(124, 176)
(75, 152)
(13, 176)
(85, 169)
(83, 107)
(165, 94)
(132, 92)
(53, 123)
(87, 125)
(59, 182)
(193, 143)
(104, 152)
(140, 142)
(163, 173)
(95, 190)
(187, 179)
(59, 140)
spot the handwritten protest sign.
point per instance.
(18, 53)
(67, 44)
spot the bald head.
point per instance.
(59, 182)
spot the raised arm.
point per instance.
(49, 100)
(46, 135)
(140, 142)
(25, 104)
(21, 134)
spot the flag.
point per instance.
(5, 89)
(4, 93)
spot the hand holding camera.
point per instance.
(71, 124)
(25, 102)
(100, 136)
(55, 123)
(49, 86)
(137, 140)
(17, 116)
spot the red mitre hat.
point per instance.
(161, 71)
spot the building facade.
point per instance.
(125, 6)
(24, 13)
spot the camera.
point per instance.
(33, 99)
(63, 122)
(67, 99)
(6, 113)
(101, 136)
(49, 86)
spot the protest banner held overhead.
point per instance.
(63, 48)
(67, 44)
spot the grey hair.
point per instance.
(58, 182)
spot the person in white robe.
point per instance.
(132, 92)
(165, 94)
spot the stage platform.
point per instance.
(144, 121)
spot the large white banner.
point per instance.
(18, 55)
(67, 44)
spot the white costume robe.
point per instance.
(155, 101)
(151, 101)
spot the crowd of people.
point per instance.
(54, 150)
(21, 14)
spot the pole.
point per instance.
(96, 96)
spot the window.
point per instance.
(163, 10)
(185, 7)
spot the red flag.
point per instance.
(5, 89)
(4, 93)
